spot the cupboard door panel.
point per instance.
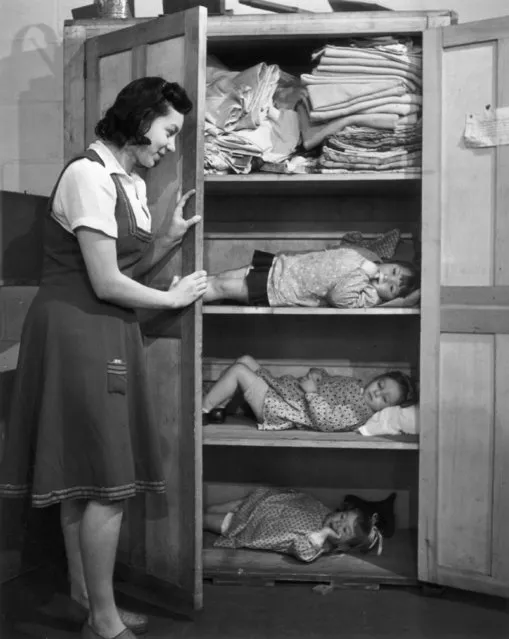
(161, 539)
(465, 443)
(463, 519)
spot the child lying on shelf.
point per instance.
(317, 401)
(291, 522)
(346, 276)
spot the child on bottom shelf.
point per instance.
(317, 401)
(344, 277)
(291, 522)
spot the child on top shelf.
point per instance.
(345, 276)
(291, 522)
(317, 401)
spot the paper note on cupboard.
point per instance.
(490, 128)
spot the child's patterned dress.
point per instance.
(276, 519)
(338, 404)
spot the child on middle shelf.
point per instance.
(291, 522)
(318, 401)
(346, 276)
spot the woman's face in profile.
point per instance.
(162, 134)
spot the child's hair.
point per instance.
(409, 387)
(366, 537)
(409, 282)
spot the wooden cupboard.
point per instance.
(453, 498)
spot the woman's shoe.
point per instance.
(133, 621)
(87, 632)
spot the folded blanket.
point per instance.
(371, 71)
(356, 62)
(313, 134)
(345, 94)
(371, 53)
(366, 138)
(332, 113)
(378, 158)
(399, 163)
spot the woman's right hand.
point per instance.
(186, 290)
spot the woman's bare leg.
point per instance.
(71, 514)
(99, 533)
(228, 285)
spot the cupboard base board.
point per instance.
(397, 565)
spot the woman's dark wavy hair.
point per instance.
(137, 106)
(409, 386)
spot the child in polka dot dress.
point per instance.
(291, 522)
(317, 401)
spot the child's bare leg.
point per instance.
(224, 507)
(228, 285)
(249, 361)
(214, 515)
(237, 376)
(213, 522)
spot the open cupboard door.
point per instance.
(160, 546)
(464, 490)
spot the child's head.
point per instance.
(355, 531)
(396, 279)
(393, 388)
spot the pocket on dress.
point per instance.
(117, 376)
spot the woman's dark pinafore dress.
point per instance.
(81, 425)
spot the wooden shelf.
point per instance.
(213, 309)
(396, 565)
(289, 235)
(313, 184)
(240, 431)
(325, 25)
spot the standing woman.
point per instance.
(81, 431)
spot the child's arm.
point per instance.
(326, 418)
(353, 291)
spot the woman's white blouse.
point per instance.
(86, 195)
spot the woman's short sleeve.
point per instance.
(86, 196)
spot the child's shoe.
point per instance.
(216, 416)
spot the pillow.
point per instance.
(393, 420)
(412, 299)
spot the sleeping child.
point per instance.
(293, 523)
(317, 401)
(347, 276)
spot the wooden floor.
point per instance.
(396, 565)
(32, 608)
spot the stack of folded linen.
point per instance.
(369, 91)
(242, 122)
(357, 148)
